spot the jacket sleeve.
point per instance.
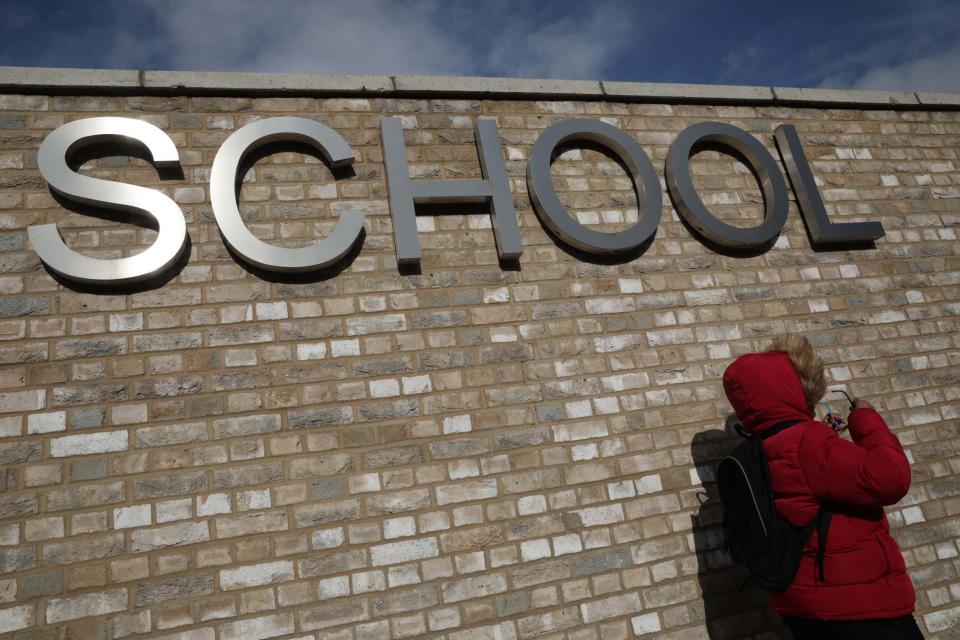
(872, 470)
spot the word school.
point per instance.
(405, 194)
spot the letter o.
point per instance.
(691, 207)
(553, 214)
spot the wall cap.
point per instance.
(264, 82)
(939, 99)
(844, 97)
(121, 81)
(41, 77)
(686, 92)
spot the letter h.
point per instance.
(405, 193)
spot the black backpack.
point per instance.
(756, 537)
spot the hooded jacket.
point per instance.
(810, 465)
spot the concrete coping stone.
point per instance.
(939, 99)
(687, 92)
(843, 97)
(265, 82)
(105, 81)
(450, 85)
(39, 77)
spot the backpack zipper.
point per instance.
(752, 494)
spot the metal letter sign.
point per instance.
(552, 212)
(822, 230)
(405, 193)
(52, 159)
(223, 179)
(691, 207)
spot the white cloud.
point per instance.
(566, 48)
(376, 37)
(359, 36)
(936, 72)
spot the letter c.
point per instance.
(223, 178)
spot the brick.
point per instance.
(332, 615)
(314, 418)
(170, 434)
(23, 306)
(88, 444)
(376, 324)
(86, 605)
(83, 549)
(331, 563)
(17, 505)
(397, 552)
(588, 564)
(48, 583)
(246, 425)
(259, 474)
(475, 587)
(17, 559)
(942, 620)
(47, 422)
(326, 513)
(166, 342)
(89, 394)
(669, 594)
(610, 607)
(166, 589)
(17, 452)
(85, 496)
(22, 401)
(229, 527)
(128, 517)
(466, 491)
(171, 484)
(89, 348)
(16, 618)
(256, 575)
(645, 624)
(544, 623)
(657, 549)
(172, 535)
(271, 626)
(400, 601)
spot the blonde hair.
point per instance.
(808, 364)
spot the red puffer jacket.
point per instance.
(864, 573)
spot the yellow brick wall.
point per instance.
(475, 451)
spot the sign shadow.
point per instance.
(734, 607)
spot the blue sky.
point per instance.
(877, 44)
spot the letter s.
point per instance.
(52, 160)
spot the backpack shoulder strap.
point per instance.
(777, 428)
(823, 527)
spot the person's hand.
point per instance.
(860, 403)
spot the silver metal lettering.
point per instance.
(223, 177)
(552, 212)
(822, 230)
(56, 151)
(405, 193)
(691, 207)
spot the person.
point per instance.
(866, 591)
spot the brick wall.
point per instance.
(475, 451)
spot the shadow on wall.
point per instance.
(734, 607)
